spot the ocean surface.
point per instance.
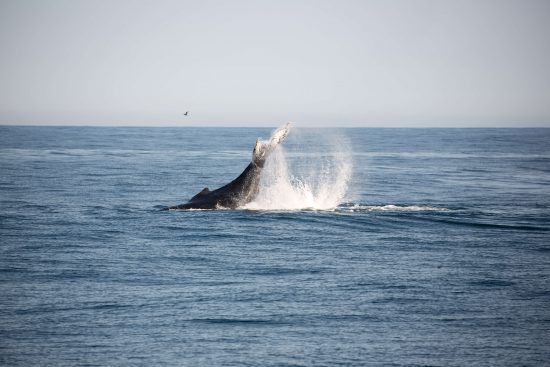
(403, 247)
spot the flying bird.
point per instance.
(186, 113)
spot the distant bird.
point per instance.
(186, 113)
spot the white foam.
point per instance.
(305, 181)
(394, 208)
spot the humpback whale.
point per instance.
(244, 188)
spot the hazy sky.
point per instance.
(242, 63)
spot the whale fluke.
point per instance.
(244, 188)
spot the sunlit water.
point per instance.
(364, 247)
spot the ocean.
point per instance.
(402, 247)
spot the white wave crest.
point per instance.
(394, 208)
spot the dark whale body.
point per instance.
(240, 191)
(244, 188)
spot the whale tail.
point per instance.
(263, 148)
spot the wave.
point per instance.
(450, 155)
(393, 208)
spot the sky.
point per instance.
(383, 63)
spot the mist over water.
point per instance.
(311, 170)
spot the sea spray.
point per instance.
(311, 172)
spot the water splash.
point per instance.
(311, 172)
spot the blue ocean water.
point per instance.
(439, 253)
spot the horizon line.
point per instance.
(274, 126)
(307, 126)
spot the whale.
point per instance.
(245, 187)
